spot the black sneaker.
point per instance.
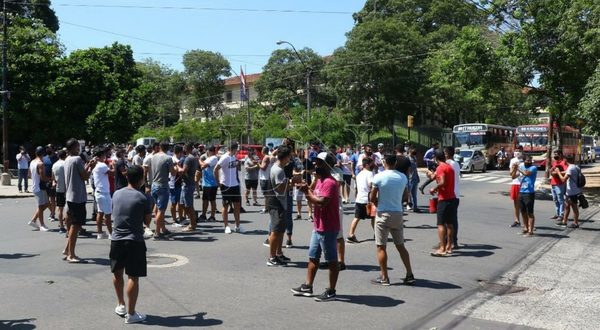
(202, 217)
(62, 230)
(212, 219)
(409, 280)
(328, 295)
(516, 224)
(289, 244)
(247, 203)
(160, 237)
(303, 290)
(381, 281)
(352, 239)
(342, 266)
(242, 210)
(266, 243)
(284, 258)
(274, 262)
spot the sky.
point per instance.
(246, 36)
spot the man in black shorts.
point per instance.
(230, 186)
(131, 210)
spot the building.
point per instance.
(232, 96)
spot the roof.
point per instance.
(250, 78)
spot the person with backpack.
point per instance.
(574, 188)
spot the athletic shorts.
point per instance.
(77, 213)
(360, 211)
(130, 255)
(104, 202)
(278, 219)
(187, 196)
(298, 195)
(231, 194)
(527, 202)
(447, 212)
(264, 185)
(389, 223)
(61, 199)
(161, 197)
(175, 195)
(323, 242)
(51, 192)
(41, 197)
(209, 193)
(514, 192)
(573, 199)
(348, 179)
(251, 184)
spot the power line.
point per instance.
(489, 12)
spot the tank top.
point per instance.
(266, 173)
(35, 177)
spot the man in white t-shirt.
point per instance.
(449, 152)
(515, 185)
(226, 174)
(364, 180)
(102, 193)
(379, 155)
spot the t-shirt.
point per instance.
(378, 163)
(528, 182)
(354, 159)
(120, 179)
(58, 170)
(572, 188)
(160, 166)
(346, 161)
(23, 161)
(516, 181)
(147, 164)
(137, 160)
(208, 177)
(562, 166)
(175, 180)
(327, 218)
(100, 174)
(456, 169)
(75, 187)
(251, 174)
(130, 207)
(414, 175)
(447, 191)
(47, 165)
(192, 166)
(229, 166)
(391, 185)
(363, 186)
(278, 177)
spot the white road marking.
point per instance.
(501, 180)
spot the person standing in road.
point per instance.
(390, 188)
(49, 160)
(449, 154)
(528, 173)
(413, 181)
(23, 161)
(230, 186)
(515, 184)
(58, 180)
(559, 165)
(326, 226)
(161, 165)
(39, 187)
(572, 192)
(209, 184)
(431, 162)
(364, 181)
(447, 204)
(252, 167)
(190, 166)
(102, 193)
(76, 173)
(131, 211)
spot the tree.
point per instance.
(35, 10)
(589, 106)
(204, 72)
(164, 88)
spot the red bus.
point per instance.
(534, 139)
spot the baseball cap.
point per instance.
(327, 158)
(40, 150)
(379, 145)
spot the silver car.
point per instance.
(471, 160)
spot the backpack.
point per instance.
(580, 178)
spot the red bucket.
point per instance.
(433, 205)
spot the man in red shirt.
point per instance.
(559, 188)
(447, 203)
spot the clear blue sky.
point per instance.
(245, 37)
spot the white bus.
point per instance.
(488, 138)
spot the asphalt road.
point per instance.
(226, 283)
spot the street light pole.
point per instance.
(308, 74)
(4, 89)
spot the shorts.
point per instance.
(130, 255)
(514, 192)
(526, 202)
(175, 195)
(209, 193)
(389, 223)
(77, 213)
(573, 199)
(187, 196)
(447, 212)
(325, 242)
(298, 195)
(104, 202)
(278, 219)
(161, 197)
(41, 197)
(251, 184)
(360, 211)
(61, 199)
(264, 185)
(231, 194)
(348, 179)
(51, 192)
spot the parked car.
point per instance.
(597, 152)
(243, 152)
(471, 160)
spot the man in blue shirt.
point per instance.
(528, 173)
(429, 159)
(388, 192)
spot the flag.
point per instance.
(243, 95)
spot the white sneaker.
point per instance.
(238, 229)
(227, 230)
(101, 236)
(148, 233)
(34, 225)
(177, 224)
(44, 228)
(408, 208)
(51, 219)
(134, 318)
(120, 310)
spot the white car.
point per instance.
(471, 160)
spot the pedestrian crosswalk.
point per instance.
(497, 178)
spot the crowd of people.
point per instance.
(134, 186)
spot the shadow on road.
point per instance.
(476, 254)
(194, 320)
(98, 261)
(371, 301)
(194, 238)
(256, 232)
(479, 247)
(423, 283)
(22, 324)
(550, 235)
(421, 227)
(17, 256)
(549, 228)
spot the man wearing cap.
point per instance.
(230, 186)
(430, 160)
(379, 155)
(326, 226)
(369, 153)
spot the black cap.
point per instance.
(40, 151)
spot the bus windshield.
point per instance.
(470, 139)
(532, 140)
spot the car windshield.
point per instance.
(466, 153)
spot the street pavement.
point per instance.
(498, 280)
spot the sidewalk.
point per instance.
(13, 192)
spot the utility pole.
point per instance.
(4, 92)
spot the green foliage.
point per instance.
(163, 87)
(39, 10)
(589, 107)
